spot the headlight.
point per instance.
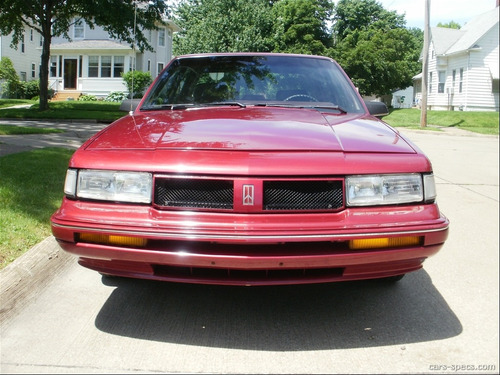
(384, 189)
(134, 187)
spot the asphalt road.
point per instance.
(443, 318)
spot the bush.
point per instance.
(11, 86)
(117, 97)
(87, 98)
(31, 89)
(140, 81)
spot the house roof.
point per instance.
(444, 38)
(449, 41)
(90, 45)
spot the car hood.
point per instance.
(251, 129)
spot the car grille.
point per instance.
(194, 193)
(302, 195)
(276, 195)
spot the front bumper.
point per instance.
(238, 249)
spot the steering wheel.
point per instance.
(312, 98)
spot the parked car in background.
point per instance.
(251, 169)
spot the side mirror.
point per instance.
(377, 109)
(129, 105)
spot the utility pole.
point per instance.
(425, 66)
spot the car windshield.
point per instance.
(259, 80)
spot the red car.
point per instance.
(250, 169)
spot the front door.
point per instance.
(70, 68)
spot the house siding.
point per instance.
(27, 62)
(478, 89)
(61, 52)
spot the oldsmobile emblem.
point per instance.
(248, 195)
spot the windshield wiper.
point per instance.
(171, 107)
(332, 107)
(214, 104)
(312, 106)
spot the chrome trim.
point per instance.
(285, 238)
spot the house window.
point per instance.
(79, 29)
(53, 66)
(461, 81)
(105, 66)
(31, 35)
(23, 47)
(161, 37)
(160, 68)
(23, 76)
(93, 66)
(118, 66)
(453, 78)
(149, 66)
(442, 79)
(430, 82)
(33, 70)
(41, 41)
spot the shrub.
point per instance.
(117, 96)
(11, 86)
(87, 98)
(139, 80)
(31, 89)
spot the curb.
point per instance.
(22, 280)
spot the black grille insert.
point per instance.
(194, 193)
(303, 195)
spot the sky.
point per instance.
(444, 11)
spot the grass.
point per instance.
(31, 190)
(65, 110)
(477, 122)
(20, 130)
(5, 103)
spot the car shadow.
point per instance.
(280, 318)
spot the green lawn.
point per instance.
(19, 130)
(478, 122)
(31, 189)
(5, 103)
(65, 110)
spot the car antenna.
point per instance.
(133, 62)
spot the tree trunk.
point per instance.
(44, 65)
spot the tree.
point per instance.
(374, 47)
(300, 26)
(223, 26)
(8, 73)
(53, 18)
(450, 25)
(379, 61)
(353, 15)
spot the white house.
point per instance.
(92, 62)
(402, 98)
(463, 66)
(26, 58)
